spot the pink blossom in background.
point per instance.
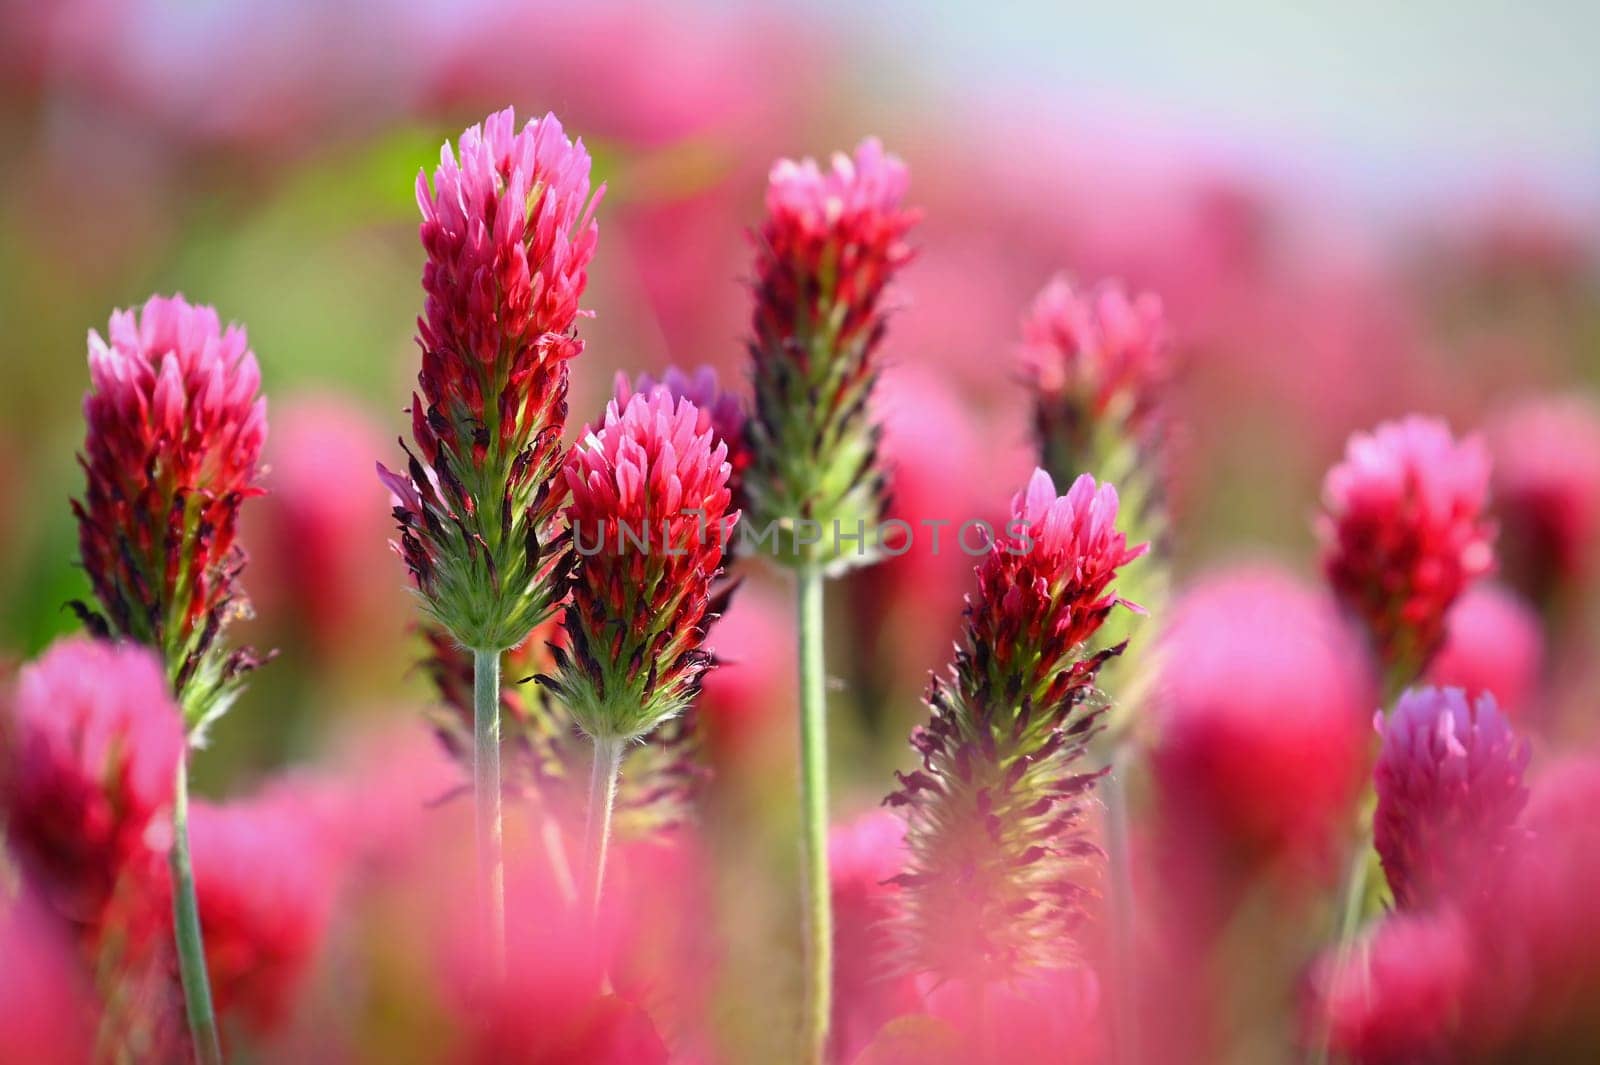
(1404, 532)
(748, 696)
(47, 1016)
(266, 875)
(1401, 1001)
(1054, 1016)
(869, 989)
(1494, 643)
(1449, 784)
(92, 743)
(1547, 492)
(1260, 713)
(1098, 351)
(317, 539)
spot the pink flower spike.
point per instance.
(509, 231)
(650, 518)
(175, 431)
(1404, 532)
(831, 243)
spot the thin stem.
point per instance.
(814, 816)
(1353, 903)
(486, 801)
(603, 774)
(186, 924)
(1119, 859)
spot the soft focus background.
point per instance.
(1350, 215)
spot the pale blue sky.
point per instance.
(1408, 95)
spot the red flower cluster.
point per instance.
(1043, 591)
(650, 519)
(831, 242)
(1404, 533)
(995, 814)
(92, 743)
(175, 430)
(509, 230)
(1096, 361)
(1449, 782)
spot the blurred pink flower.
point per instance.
(1260, 710)
(745, 698)
(46, 1012)
(92, 743)
(1493, 643)
(1052, 1016)
(1449, 784)
(266, 874)
(1404, 533)
(1096, 358)
(1402, 1000)
(863, 855)
(316, 541)
(1547, 492)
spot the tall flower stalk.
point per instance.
(173, 448)
(995, 814)
(1096, 361)
(650, 519)
(831, 242)
(1404, 532)
(509, 230)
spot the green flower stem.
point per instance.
(1120, 861)
(1357, 884)
(186, 922)
(814, 815)
(603, 776)
(486, 799)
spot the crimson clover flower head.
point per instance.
(175, 427)
(1450, 788)
(832, 241)
(509, 231)
(541, 743)
(1404, 532)
(995, 813)
(1097, 361)
(721, 409)
(650, 519)
(92, 739)
(1547, 490)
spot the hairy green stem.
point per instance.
(603, 774)
(486, 801)
(186, 923)
(814, 816)
(1120, 861)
